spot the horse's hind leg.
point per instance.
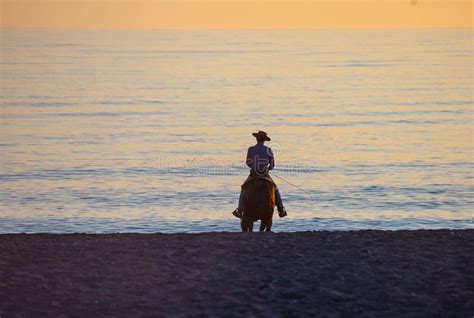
(246, 226)
(266, 225)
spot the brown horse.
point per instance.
(258, 204)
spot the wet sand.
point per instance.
(330, 274)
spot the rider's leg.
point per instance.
(241, 201)
(279, 203)
(239, 212)
(278, 200)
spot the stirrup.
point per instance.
(238, 213)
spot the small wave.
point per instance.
(154, 225)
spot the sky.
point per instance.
(204, 14)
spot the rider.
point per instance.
(260, 160)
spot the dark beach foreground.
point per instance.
(331, 274)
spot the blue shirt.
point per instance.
(260, 158)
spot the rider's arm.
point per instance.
(272, 160)
(249, 160)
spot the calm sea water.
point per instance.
(144, 131)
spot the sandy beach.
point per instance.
(329, 274)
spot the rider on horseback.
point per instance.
(260, 160)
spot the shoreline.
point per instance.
(328, 273)
(236, 232)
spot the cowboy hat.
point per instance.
(261, 134)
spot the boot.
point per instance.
(282, 211)
(238, 213)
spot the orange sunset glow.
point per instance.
(138, 14)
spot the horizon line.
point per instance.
(240, 29)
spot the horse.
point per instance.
(258, 204)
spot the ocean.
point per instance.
(147, 130)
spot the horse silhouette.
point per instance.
(258, 204)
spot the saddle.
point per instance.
(254, 176)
